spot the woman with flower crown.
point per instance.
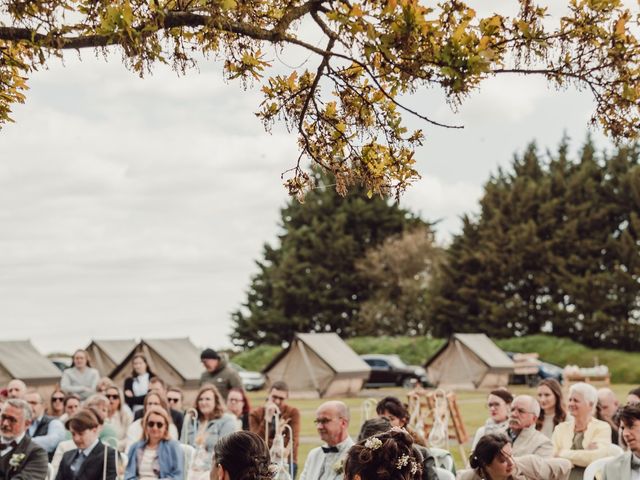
(389, 455)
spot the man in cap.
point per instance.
(218, 372)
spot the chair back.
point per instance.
(188, 451)
(595, 467)
(443, 458)
(444, 474)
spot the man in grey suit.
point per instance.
(20, 458)
(627, 465)
(525, 439)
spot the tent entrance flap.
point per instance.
(312, 375)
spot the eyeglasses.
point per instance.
(57, 399)
(7, 418)
(173, 400)
(323, 421)
(521, 411)
(152, 424)
(113, 397)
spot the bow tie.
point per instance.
(635, 462)
(330, 449)
(11, 444)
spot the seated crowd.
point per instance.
(92, 429)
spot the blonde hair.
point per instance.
(160, 412)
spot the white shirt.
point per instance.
(323, 466)
(8, 449)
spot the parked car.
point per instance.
(250, 380)
(545, 370)
(390, 370)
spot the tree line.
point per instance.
(555, 248)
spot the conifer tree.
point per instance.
(308, 282)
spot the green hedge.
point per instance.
(624, 366)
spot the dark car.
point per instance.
(390, 370)
(545, 370)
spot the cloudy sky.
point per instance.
(136, 207)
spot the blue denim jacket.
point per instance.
(170, 460)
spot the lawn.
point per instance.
(471, 405)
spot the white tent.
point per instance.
(20, 359)
(469, 360)
(174, 360)
(319, 362)
(106, 355)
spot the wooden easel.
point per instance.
(455, 425)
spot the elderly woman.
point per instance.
(156, 456)
(492, 459)
(499, 405)
(582, 439)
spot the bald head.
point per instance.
(608, 403)
(16, 389)
(332, 422)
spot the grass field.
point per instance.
(471, 405)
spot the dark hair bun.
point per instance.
(386, 456)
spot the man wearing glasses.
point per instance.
(45, 431)
(20, 457)
(525, 439)
(266, 415)
(327, 462)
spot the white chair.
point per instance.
(444, 474)
(615, 450)
(443, 458)
(188, 451)
(595, 467)
(49, 472)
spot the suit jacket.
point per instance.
(257, 425)
(618, 468)
(32, 467)
(597, 432)
(530, 467)
(531, 442)
(317, 459)
(91, 468)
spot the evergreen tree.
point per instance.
(309, 283)
(555, 248)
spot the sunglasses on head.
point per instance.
(152, 424)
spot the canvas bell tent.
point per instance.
(105, 355)
(468, 361)
(319, 362)
(174, 360)
(20, 359)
